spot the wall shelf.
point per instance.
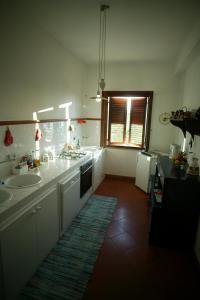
(190, 125)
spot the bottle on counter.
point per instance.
(193, 168)
(36, 159)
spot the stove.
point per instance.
(72, 154)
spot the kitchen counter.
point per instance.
(50, 172)
(32, 221)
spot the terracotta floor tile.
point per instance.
(114, 229)
(124, 241)
(122, 212)
(127, 266)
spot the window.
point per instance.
(126, 119)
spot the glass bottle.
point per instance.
(193, 168)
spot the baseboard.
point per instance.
(124, 178)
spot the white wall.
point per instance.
(36, 72)
(161, 79)
(120, 162)
(191, 99)
(90, 133)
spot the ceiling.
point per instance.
(137, 30)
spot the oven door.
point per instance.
(86, 178)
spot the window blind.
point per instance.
(117, 110)
(137, 121)
(138, 111)
(117, 120)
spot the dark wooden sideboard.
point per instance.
(175, 206)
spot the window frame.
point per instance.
(104, 141)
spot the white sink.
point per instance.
(23, 180)
(5, 195)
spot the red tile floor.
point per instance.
(127, 267)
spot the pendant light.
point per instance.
(102, 51)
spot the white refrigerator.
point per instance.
(146, 166)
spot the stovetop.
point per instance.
(71, 154)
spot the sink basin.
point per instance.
(23, 180)
(4, 195)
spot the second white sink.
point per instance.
(23, 180)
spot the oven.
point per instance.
(86, 177)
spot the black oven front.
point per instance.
(86, 177)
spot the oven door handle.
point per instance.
(90, 167)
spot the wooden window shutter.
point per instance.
(117, 119)
(118, 110)
(138, 110)
(137, 121)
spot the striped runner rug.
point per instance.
(65, 272)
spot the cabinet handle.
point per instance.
(38, 207)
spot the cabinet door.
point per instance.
(71, 201)
(47, 223)
(18, 253)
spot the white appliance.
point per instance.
(146, 166)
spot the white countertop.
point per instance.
(50, 172)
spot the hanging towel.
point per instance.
(8, 140)
(38, 135)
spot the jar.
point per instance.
(193, 168)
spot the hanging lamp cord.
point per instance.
(102, 45)
(100, 42)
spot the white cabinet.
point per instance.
(26, 240)
(18, 253)
(98, 170)
(71, 203)
(47, 223)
